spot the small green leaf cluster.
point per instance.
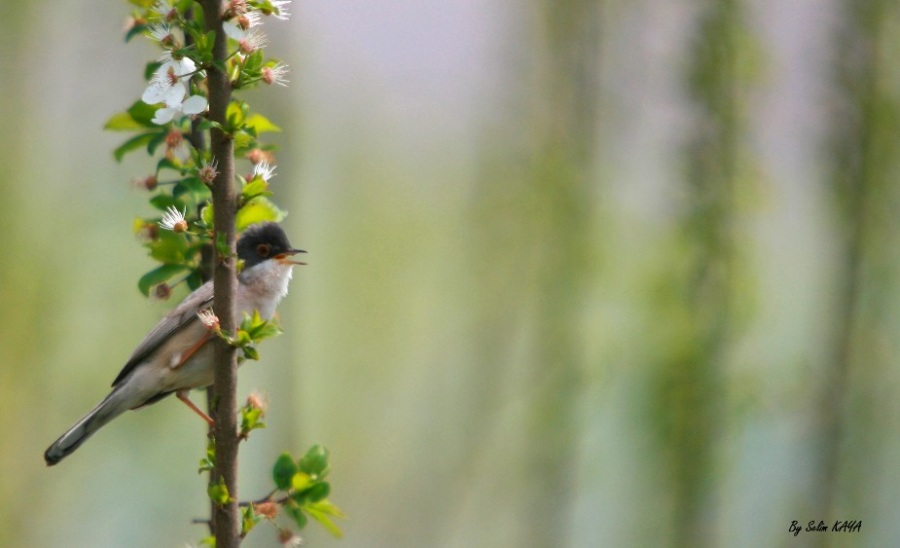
(218, 492)
(208, 462)
(300, 492)
(305, 490)
(169, 122)
(252, 414)
(253, 329)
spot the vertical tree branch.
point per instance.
(224, 410)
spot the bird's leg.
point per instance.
(183, 396)
(192, 350)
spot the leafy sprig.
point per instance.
(170, 124)
(173, 107)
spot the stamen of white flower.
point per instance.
(281, 9)
(264, 171)
(209, 171)
(249, 20)
(276, 74)
(254, 39)
(160, 31)
(164, 8)
(173, 220)
(249, 40)
(208, 318)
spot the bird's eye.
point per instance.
(263, 250)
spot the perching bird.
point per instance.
(174, 356)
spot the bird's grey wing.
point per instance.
(183, 314)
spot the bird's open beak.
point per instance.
(283, 257)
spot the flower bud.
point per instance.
(268, 509)
(162, 292)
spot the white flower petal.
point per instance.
(195, 104)
(164, 116)
(163, 70)
(175, 95)
(162, 7)
(232, 31)
(185, 67)
(155, 93)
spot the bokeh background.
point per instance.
(583, 273)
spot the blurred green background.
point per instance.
(581, 274)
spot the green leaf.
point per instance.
(256, 187)
(122, 122)
(242, 142)
(250, 352)
(150, 69)
(167, 163)
(283, 471)
(193, 186)
(206, 124)
(251, 419)
(326, 522)
(195, 280)
(163, 201)
(209, 461)
(264, 331)
(134, 143)
(328, 507)
(206, 215)
(158, 275)
(235, 114)
(261, 124)
(249, 519)
(143, 113)
(318, 491)
(218, 492)
(254, 61)
(297, 514)
(258, 328)
(134, 31)
(153, 144)
(222, 247)
(169, 248)
(315, 461)
(242, 339)
(257, 210)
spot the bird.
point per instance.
(174, 356)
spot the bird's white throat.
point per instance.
(264, 285)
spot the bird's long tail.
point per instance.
(111, 407)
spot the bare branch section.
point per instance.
(226, 517)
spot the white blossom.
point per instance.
(195, 104)
(281, 8)
(160, 31)
(173, 220)
(208, 318)
(164, 9)
(249, 40)
(275, 74)
(264, 171)
(169, 85)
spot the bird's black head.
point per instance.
(264, 241)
